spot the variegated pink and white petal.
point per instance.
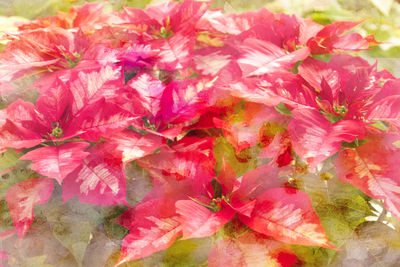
(21, 199)
(373, 168)
(57, 161)
(286, 215)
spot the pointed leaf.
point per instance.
(24, 114)
(17, 59)
(170, 167)
(54, 101)
(99, 180)
(188, 14)
(149, 91)
(261, 57)
(108, 119)
(13, 136)
(226, 177)
(273, 89)
(286, 215)
(184, 101)
(372, 167)
(21, 199)
(57, 161)
(162, 11)
(87, 15)
(257, 181)
(74, 235)
(232, 23)
(175, 52)
(45, 48)
(387, 109)
(314, 138)
(89, 85)
(210, 61)
(194, 150)
(198, 221)
(133, 145)
(330, 39)
(155, 227)
(169, 133)
(315, 72)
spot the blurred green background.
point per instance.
(381, 17)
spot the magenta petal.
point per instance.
(315, 139)
(57, 161)
(260, 57)
(286, 215)
(155, 227)
(149, 91)
(198, 221)
(373, 168)
(133, 145)
(99, 180)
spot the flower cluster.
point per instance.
(192, 95)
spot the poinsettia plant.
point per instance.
(230, 120)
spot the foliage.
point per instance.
(182, 135)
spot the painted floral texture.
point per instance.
(181, 135)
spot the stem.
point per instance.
(200, 203)
(74, 140)
(382, 216)
(327, 191)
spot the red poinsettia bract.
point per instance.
(185, 93)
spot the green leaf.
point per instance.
(130, 3)
(113, 230)
(37, 261)
(383, 5)
(32, 9)
(372, 244)
(74, 235)
(356, 143)
(333, 14)
(381, 125)
(72, 223)
(241, 163)
(8, 159)
(14, 176)
(5, 219)
(313, 256)
(324, 58)
(340, 207)
(282, 109)
(191, 252)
